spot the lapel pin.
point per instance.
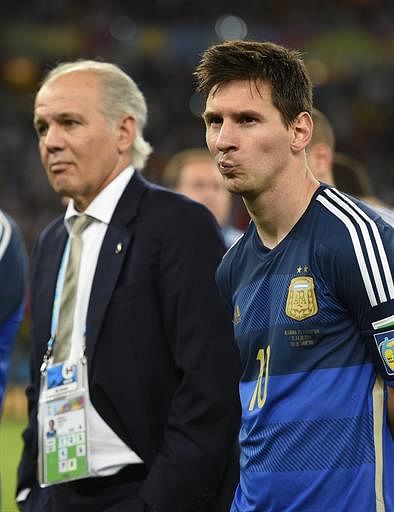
(118, 248)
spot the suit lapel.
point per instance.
(116, 242)
(48, 260)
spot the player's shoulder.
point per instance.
(342, 213)
(349, 229)
(5, 228)
(10, 235)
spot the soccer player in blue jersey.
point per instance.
(311, 291)
(12, 291)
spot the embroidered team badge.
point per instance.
(385, 342)
(301, 299)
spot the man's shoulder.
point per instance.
(169, 205)
(51, 232)
(53, 226)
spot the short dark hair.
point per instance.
(283, 69)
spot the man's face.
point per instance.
(200, 180)
(80, 149)
(246, 135)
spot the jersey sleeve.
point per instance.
(361, 265)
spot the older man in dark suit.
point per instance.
(137, 315)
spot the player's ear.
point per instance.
(302, 128)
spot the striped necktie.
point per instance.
(67, 306)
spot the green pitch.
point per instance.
(10, 450)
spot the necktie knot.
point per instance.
(80, 224)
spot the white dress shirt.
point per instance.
(108, 453)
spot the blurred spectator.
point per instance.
(193, 172)
(320, 151)
(351, 176)
(344, 172)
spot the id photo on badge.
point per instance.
(51, 432)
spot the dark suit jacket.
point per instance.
(162, 364)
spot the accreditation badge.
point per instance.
(62, 425)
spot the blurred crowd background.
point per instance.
(348, 46)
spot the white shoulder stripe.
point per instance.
(352, 211)
(378, 240)
(6, 231)
(357, 247)
(367, 240)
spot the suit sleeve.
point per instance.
(204, 416)
(27, 469)
(43, 257)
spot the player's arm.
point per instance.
(363, 275)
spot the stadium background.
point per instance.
(347, 45)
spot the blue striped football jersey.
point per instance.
(314, 323)
(13, 262)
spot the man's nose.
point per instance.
(53, 138)
(226, 138)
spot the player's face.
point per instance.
(246, 135)
(79, 147)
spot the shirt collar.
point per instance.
(103, 205)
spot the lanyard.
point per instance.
(56, 306)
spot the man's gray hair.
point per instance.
(122, 97)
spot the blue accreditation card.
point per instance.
(61, 378)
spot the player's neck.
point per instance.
(276, 211)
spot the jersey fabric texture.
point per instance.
(314, 319)
(13, 261)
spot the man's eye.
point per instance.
(247, 119)
(70, 122)
(214, 121)
(41, 129)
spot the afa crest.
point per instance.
(301, 299)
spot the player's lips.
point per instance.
(226, 166)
